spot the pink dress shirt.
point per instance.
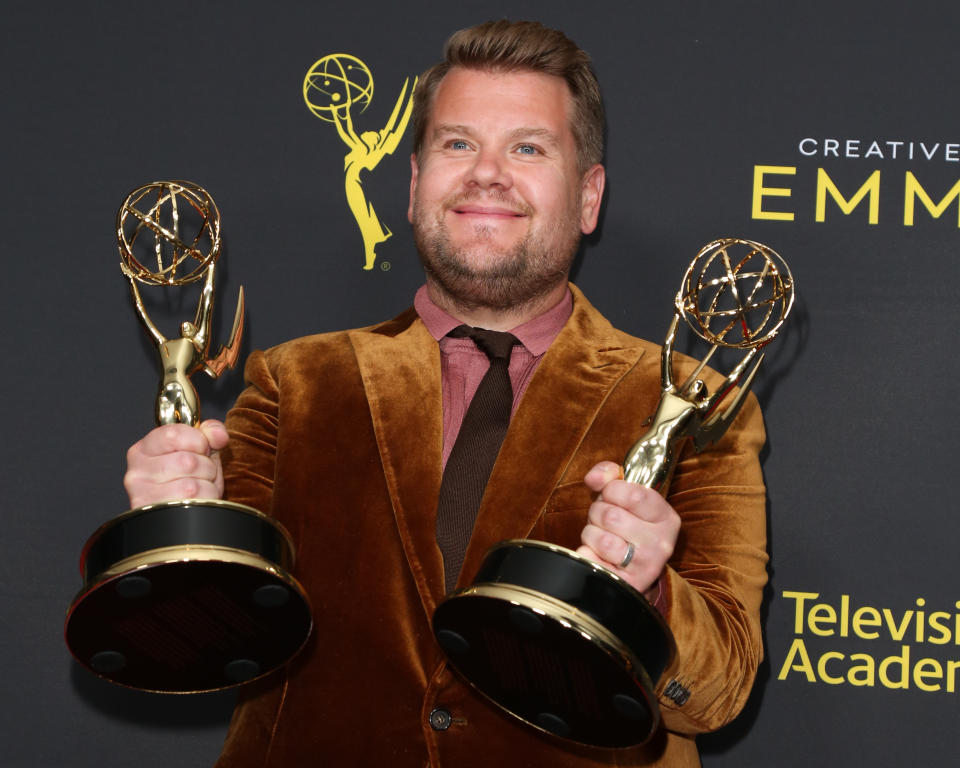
(462, 365)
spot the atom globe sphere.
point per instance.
(736, 294)
(168, 233)
(335, 84)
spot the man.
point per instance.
(344, 436)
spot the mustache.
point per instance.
(494, 197)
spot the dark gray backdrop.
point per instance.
(859, 394)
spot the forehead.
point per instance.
(503, 100)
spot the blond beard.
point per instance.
(522, 275)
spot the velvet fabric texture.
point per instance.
(339, 436)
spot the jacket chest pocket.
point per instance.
(564, 515)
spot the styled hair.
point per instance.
(507, 46)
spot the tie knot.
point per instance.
(496, 345)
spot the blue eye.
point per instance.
(458, 144)
(527, 149)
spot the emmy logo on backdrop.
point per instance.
(335, 89)
(561, 642)
(192, 595)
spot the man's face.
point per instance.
(496, 199)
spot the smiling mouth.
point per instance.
(493, 211)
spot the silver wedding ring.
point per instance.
(628, 556)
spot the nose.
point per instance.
(489, 169)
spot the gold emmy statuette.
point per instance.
(192, 595)
(561, 642)
(334, 89)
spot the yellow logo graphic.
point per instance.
(336, 88)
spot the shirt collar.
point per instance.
(536, 334)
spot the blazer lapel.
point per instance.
(582, 366)
(400, 365)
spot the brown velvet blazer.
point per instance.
(339, 437)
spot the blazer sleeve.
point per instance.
(713, 584)
(249, 460)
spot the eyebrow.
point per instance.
(442, 128)
(514, 135)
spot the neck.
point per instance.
(495, 319)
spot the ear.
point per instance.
(591, 195)
(414, 170)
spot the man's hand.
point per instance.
(623, 514)
(174, 462)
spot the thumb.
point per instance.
(601, 474)
(215, 433)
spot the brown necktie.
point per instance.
(475, 450)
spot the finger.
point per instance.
(176, 490)
(646, 562)
(609, 548)
(584, 551)
(182, 465)
(169, 468)
(640, 501)
(173, 476)
(612, 518)
(632, 524)
(601, 474)
(171, 438)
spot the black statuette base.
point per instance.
(560, 643)
(188, 597)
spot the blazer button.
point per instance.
(440, 719)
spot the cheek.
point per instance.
(429, 191)
(550, 190)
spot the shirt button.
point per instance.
(440, 719)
